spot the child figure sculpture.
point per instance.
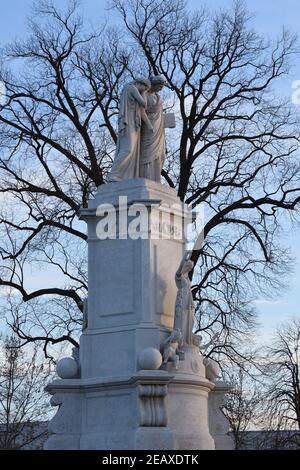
(171, 347)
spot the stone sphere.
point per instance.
(67, 368)
(150, 359)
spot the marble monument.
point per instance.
(139, 379)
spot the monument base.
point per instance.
(162, 410)
(112, 403)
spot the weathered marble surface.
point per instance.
(115, 404)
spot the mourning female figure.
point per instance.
(131, 114)
(153, 140)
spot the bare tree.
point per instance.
(243, 405)
(22, 401)
(283, 386)
(234, 152)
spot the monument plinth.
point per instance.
(131, 281)
(116, 403)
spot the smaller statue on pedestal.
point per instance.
(212, 368)
(184, 306)
(171, 347)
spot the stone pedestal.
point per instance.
(218, 423)
(115, 404)
(131, 281)
(188, 403)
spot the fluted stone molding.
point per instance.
(152, 405)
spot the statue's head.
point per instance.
(176, 334)
(157, 82)
(187, 267)
(142, 84)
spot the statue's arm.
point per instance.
(203, 347)
(178, 275)
(178, 280)
(146, 120)
(186, 257)
(138, 97)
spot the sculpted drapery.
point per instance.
(140, 148)
(152, 149)
(131, 113)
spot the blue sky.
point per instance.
(270, 16)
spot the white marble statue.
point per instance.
(184, 307)
(212, 368)
(152, 148)
(204, 347)
(171, 347)
(141, 151)
(132, 113)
